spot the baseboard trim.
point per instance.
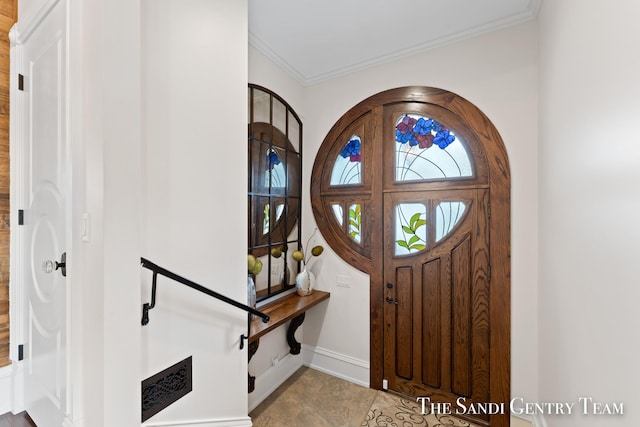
(536, 420)
(539, 421)
(6, 391)
(273, 378)
(228, 422)
(521, 421)
(339, 365)
(12, 388)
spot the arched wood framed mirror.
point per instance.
(274, 189)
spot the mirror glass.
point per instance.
(275, 161)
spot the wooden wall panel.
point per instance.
(8, 13)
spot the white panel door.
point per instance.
(45, 228)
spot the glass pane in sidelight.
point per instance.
(355, 222)
(347, 169)
(448, 214)
(337, 211)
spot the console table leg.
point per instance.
(253, 347)
(291, 331)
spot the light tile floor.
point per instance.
(311, 398)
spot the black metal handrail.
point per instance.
(164, 272)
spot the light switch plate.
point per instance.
(86, 227)
(342, 281)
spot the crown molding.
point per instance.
(529, 14)
(271, 54)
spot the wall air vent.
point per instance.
(165, 388)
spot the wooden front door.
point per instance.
(412, 187)
(436, 293)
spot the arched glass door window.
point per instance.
(427, 150)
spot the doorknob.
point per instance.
(391, 301)
(49, 266)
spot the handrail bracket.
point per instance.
(148, 306)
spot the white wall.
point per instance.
(27, 9)
(194, 92)
(589, 206)
(498, 73)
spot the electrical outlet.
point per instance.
(342, 281)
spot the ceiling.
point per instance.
(316, 40)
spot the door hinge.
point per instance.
(21, 352)
(20, 216)
(20, 82)
(489, 209)
(489, 273)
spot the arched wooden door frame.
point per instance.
(489, 141)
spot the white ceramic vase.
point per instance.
(305, 281)
(251, 293)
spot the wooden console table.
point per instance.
(291, 307)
